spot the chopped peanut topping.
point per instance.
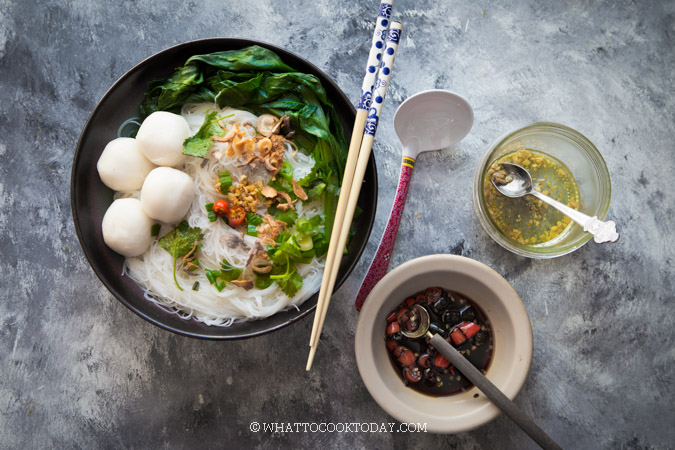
(244, 194)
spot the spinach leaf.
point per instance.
(181, 241)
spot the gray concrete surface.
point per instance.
(78, 370)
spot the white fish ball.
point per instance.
(161, 137)
(167, 194)
(127, 228)
(122, 167)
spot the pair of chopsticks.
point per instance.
(378, 71)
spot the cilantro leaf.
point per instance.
(263, 282)
(180, 241)
(291, 284)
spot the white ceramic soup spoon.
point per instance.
(429, 120)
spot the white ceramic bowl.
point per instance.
(512, 336)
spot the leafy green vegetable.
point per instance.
(255, 78)
(281, 185)
(263, 282)
(289, 216)
(199, 144)
(320, 244)
(181, 241)
(225, 180)
(291, 248)
(311, 226)
(315, 191)
(251, 230)
(227, 273)
(290, 284)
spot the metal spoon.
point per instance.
(520, 184)
(479, 380)
(429, 120)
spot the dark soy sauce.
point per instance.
(455, 318)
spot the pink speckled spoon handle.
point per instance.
(429, 120)
(378, 267)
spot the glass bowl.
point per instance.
(582, 159)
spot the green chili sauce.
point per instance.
(527, 220)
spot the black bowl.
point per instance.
(90, 197)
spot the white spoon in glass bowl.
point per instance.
(429, 120)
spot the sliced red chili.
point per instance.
(407, 357)
(424, 360)
(413, 374)
(433, 294)
(441, 361)
(457, 336)
(236, 216)
(220, 208)
(469, 329)
(391, 345)
(402, 315)
(391, 317)
(393, 328)
(410, 301)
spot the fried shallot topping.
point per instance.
(285, 206)
(298, 191)
(268, 191)
(187, 262)
(269, 230)
(273, 155)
